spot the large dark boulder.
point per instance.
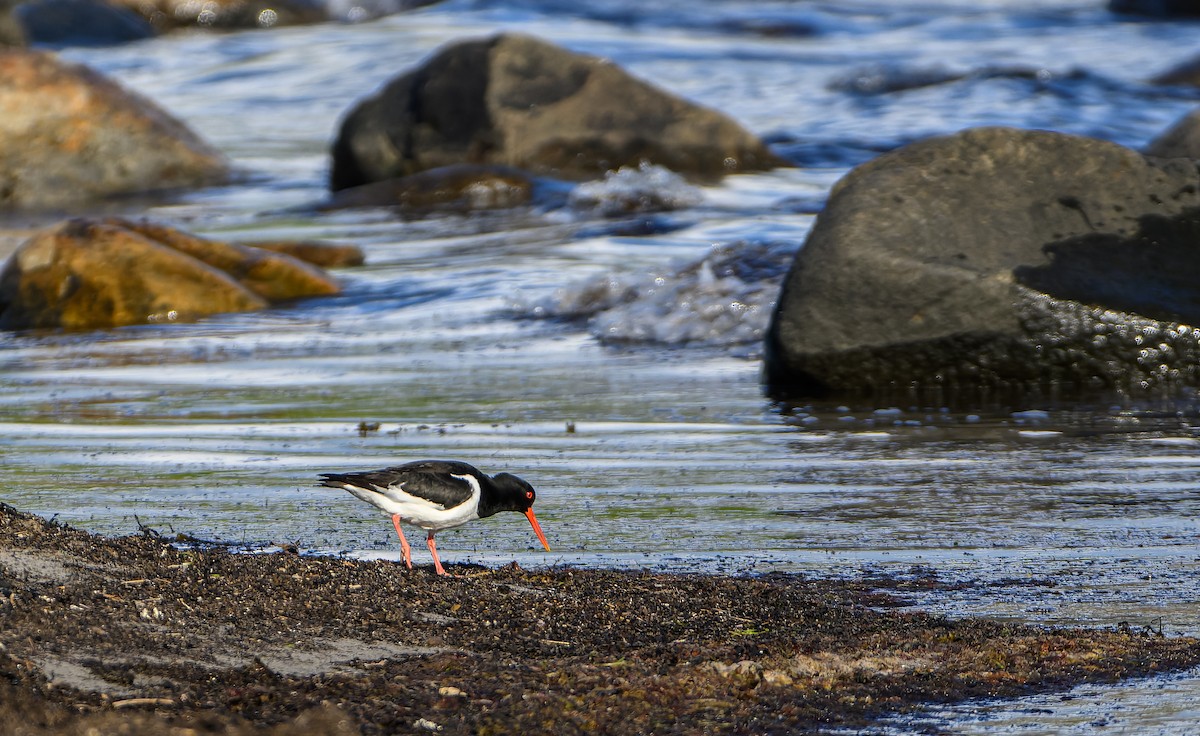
(996, 258)
(69, 134)
(518, 101)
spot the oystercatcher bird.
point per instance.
(436, 495)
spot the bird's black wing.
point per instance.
(432, 480)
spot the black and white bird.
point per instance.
(436, 495)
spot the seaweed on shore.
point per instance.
(137, 635)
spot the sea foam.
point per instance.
(721, 300)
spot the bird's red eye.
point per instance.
(528, 494)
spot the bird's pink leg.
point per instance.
(404, 548)
(437, 564)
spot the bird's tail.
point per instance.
(335, 480)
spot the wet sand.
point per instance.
(142, 635)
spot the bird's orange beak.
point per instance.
(537, 528)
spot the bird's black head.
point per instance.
(512, 494)
(509, 494)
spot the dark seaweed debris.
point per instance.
(137, 636)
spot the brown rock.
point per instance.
(85, 275)
(69, 134)
(325, 255)
(518, 101)
(92, 274)
(273, 276)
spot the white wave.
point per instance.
(724, 299)
(646, 188)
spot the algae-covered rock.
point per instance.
(86, 274)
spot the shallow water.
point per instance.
(677, 460)
(1160, 705)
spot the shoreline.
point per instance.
(136, 632)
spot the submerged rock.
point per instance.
(996, 258)
(885, 78)
(518, 101)
(86, 274)
(459, 188)
(472, 187)
(68, 134)
(325, 255)
(878, 79)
